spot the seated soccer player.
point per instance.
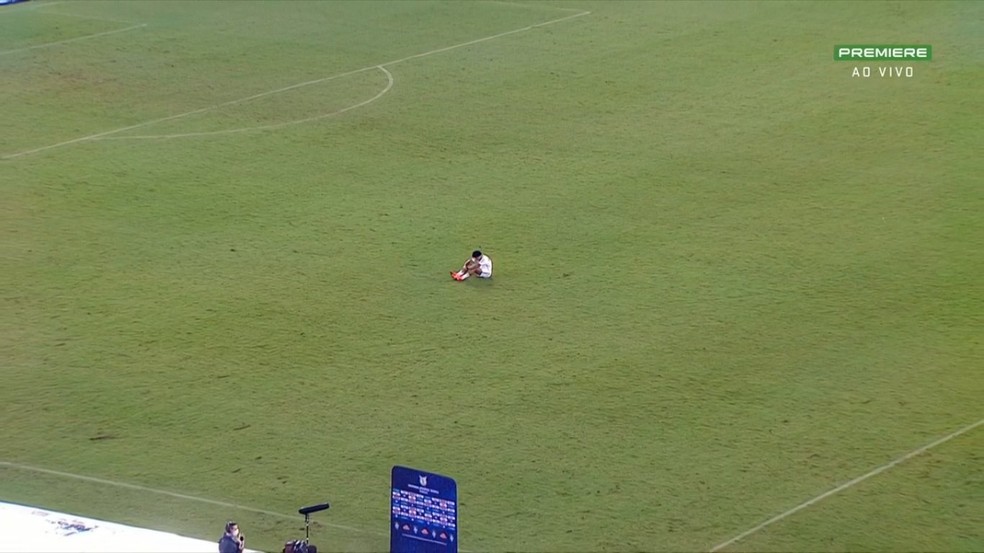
(478, 265)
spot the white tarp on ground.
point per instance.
(32, 530)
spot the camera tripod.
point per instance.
(307, 511)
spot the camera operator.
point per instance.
(232, 541)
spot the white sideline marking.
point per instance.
(285, 89)
(847, 485)
(172, 494)
(493, 37)
(60, 42)
(389, 85)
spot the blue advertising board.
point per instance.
(423, 512)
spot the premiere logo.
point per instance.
(862, 53)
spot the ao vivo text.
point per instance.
(883, 72)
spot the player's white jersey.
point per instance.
(485, 266)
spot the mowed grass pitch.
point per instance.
(729, 277)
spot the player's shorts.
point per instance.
(484, 274)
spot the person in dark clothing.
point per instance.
(232, 541)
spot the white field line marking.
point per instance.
(379, 95)
(136, 487)
(484, 39)
(76, 39)
(171, 494)
(286, 88)
(847, 485)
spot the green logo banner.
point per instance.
(883, 52)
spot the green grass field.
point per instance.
(729, 276)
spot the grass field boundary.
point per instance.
(389, 85)
(103, 134)
(18, 8)
(846, 485)
(132, 25)
(186, 497)
(30, 8)
(70, 40)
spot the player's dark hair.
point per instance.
(477, 253)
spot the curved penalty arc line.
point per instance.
(380, 94)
